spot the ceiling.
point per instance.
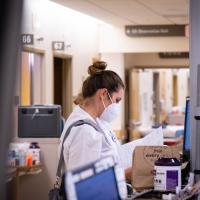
(133, 12)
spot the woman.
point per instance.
(101, 93)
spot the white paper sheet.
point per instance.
(126, 151)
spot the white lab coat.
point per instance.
(110, 138)
(84, 144)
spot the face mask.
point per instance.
(111, 112)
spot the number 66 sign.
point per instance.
(27, 38)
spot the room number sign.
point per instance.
(27, 38)
(58, 45)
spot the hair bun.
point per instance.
(97, 67)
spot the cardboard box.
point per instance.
(143, 164)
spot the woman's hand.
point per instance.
(128, 173)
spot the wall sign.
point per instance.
(155, 30)
(27, 38)
(58, 45)
(174, 55)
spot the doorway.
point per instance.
(63, 84)
(31, 76)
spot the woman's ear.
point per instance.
(103, 93)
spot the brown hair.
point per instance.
(101, 78)
(79, 99)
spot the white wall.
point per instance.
(53, 22)
(113, 39)
(56, 23)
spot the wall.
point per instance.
(51, 22)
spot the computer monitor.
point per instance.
(186, 141)
(101, 180)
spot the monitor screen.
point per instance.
(186, 144)
(100, 180)
(101, 186)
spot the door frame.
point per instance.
(68, 67)
(156, 97)
(175, 89)
(36, 51)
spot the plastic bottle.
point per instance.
(35, 149)
(16, 158)
(37, 154)
(12, 160)
(22, 157)
(29, 158)
(9, 158)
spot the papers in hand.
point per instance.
(155, 137)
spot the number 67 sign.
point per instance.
(58, 45)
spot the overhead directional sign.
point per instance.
(155, 30)
(174, 55)
(58, 45)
